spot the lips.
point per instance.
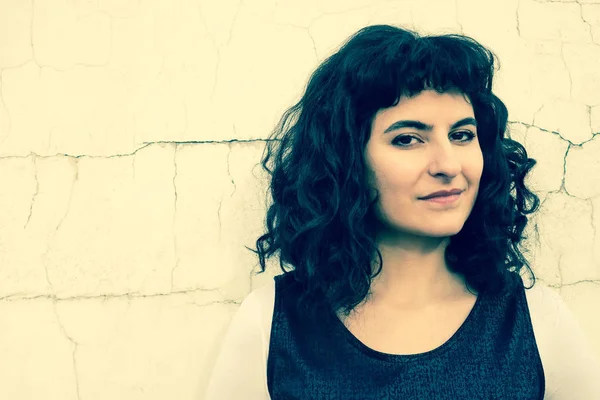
(442, 193)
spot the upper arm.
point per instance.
(240, 368)
(571, 368)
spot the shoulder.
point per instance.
(251, 323)
(254, 315)
(260, 303)
(546, 311)
(243, 355)
(545, 304)
(551, 318)
(569, 361)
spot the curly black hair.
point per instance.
(321, 219)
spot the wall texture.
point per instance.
(130, 131)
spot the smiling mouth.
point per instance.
(447, 199)
(453, 193)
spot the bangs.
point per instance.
(379, 72)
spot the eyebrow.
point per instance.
(424, 127)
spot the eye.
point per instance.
(468, 136)
(403, 140)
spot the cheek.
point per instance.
(395, 189)
(472, 165)
(391, 178)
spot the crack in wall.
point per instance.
(60, 222)
(175, 245)
(554, 132)
(585, 21)
(580, 12)
(534, 116)
(37, 190)
(229, 171)
(562, 56)
(563, 192)
(545, 199)
(462, 29)
(589, 113)
(592, 281)
(75, 180)
(311, 37)
(594, 228)
(212, 303)
(128, 295)
(560, 272)
(31, 41)
(214, 141)
(314, 44)
(219, 219)
(235, 17)
(564, 176)
(517, 17)
(75, 345)
(145, 144)
(133, 159)
(223, 199)
(81, 155)
(536, 234)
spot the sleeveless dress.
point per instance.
(270, 352)
(493, 355)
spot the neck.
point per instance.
(414, 273)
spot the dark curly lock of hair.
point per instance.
(321, 221)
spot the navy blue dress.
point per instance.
(493, 355)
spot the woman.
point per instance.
(398, 209)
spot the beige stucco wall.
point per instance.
(129, 135)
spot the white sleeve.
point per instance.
(571, 368)
(241, 366)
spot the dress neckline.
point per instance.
(341, 329)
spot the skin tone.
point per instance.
(415, 299)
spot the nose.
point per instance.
(444, 160)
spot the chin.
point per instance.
(438, 228)
(424, 233)
(440, 232)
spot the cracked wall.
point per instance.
(130, 131)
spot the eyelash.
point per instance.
(470, 137)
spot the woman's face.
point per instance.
(424, 144)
